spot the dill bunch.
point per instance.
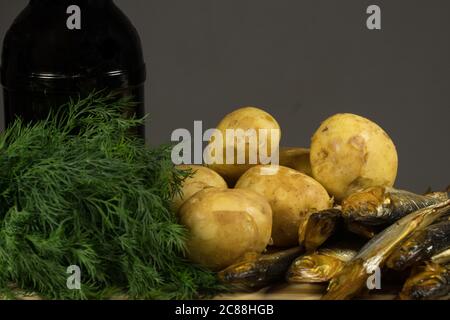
(78, 189)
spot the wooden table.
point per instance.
(302, 292)
(277, 292)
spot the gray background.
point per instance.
(302, 60)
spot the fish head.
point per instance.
(348, 282)
(363, 205)
(430, 281)
(241, 276)
(405, 255)
(314, 268)
(237, 272)
(318, 231)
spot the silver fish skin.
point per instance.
(383, 205)
(421, 246)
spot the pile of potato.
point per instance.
(347, 153)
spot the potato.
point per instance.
(349, 152)
(245, 118)
(297, 159)
(292, 196)
(201, 178)
(224, 225)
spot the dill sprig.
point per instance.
(79, 189)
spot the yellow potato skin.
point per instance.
(297, 159)
(292, 196)
(201, 178)
(244, 118)
(349, 152)
(224, 225)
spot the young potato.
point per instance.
(292, 196)
(247, 118)
(297, 159)
(349, 152)
(201, 178)
(224, 225)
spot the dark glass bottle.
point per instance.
(44, 62)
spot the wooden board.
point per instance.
(277, 292)
(302, 292)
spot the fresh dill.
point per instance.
(79, 189)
